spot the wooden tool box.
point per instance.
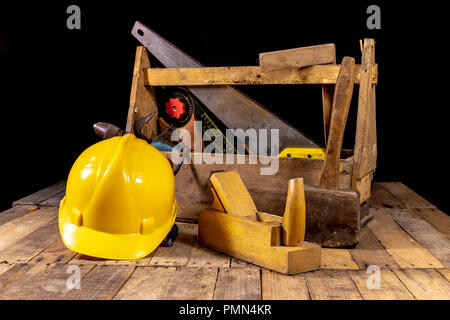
(268, 192)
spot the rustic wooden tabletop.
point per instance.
(408, 240)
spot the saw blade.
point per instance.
(232, 107)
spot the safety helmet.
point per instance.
(120, 200)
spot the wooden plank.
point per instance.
(445, 273)
(142, 98)
(42, 195)
(331, 285)
(409, 198)
(12, 274)
(238, 284)
(337, 259)
(391, 288)
(320, 74)
(15, 230)
(424, 234)
(193, 284)
(147, 283)
(16, 212)
(53, 201)
(83, 259)
(297, 57)
(5, 267)
(425, 284)
(179, 253)
(102, 283)
(365, 151)
(42, 282)
(277, 286)
(204, 257)
(238, 263)
(327, 103)
(369, 251)
(438, 219)
(403, 249)
(32, 244)
(57, 252)
(382, 199)
(143, 262)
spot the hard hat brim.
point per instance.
(84, 240)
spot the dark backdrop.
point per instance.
(55, 82)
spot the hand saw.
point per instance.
(232, 107)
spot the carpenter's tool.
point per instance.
(107, 130)
(340, 208)
(294, 218)
(233, 108)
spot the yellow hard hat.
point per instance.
(120, 200)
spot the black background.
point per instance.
(55, 82)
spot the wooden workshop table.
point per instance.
(409, 239)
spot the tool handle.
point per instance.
(294, 218)
(339, 112)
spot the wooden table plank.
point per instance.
(391, 288)
(42, 195)
(438, 219)
(193, 284)
(337, 259)
(445, 272)
(147, 283)
(409, 198)
(177, 255)
(83, 259)
(15, 230)
(381, 198)
(12, 274)
(399, 244)
(238, 284)
(277, 286)
(5, 267)
(238, 263)
(57, 252)
(331, 285)
(204, 257)
(53, 201)
(424, 234)
(32, 244)
(369, 251)
(102, 283)
(425, 284)
(16, 212)
(143, 262)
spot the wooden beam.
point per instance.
(320, 74)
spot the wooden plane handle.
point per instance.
(294, 218)
(339, 112)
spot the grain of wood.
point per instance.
(53, 201)
(147, 283)
(277, 286)
(193, 284)
(424, 234)
(57, 252)
(32, 244)
(409, 198)
(399, 244)
(12, 274)
(238, 263)
(15, 230)
(391, 288)
(238, 284)
(331, 285)
(438, 219)
(425, 284)
(41, 195)
(445, 273)
(178, 254)
(369, 251)
(337, 259)
(5, 266)
(327, 103)
(204, 257)
(83, 259)
(143, 262)
(102, 283)
(381, 198)
(16, 212)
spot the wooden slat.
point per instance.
(380, 198)
(53, 201)
(42, 195)
(277, 286)
(403, 249)
(238, 284)
(331, 285)
(204, 257)
(445, 272)
(369, 251)
(177, 255)
(238, 263)
(438, 219)
(337, 259)
(391, 288)
(16, 212)
(320, 74)
(424, 234)
(143, 262)
(5, 266)
(409, 198)
(83, 259)
(425, 284)
(32, 244)
(12, 274)
(102, 283)
(15, 230)
(193, 284)
(147, 283)
(57, 252)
